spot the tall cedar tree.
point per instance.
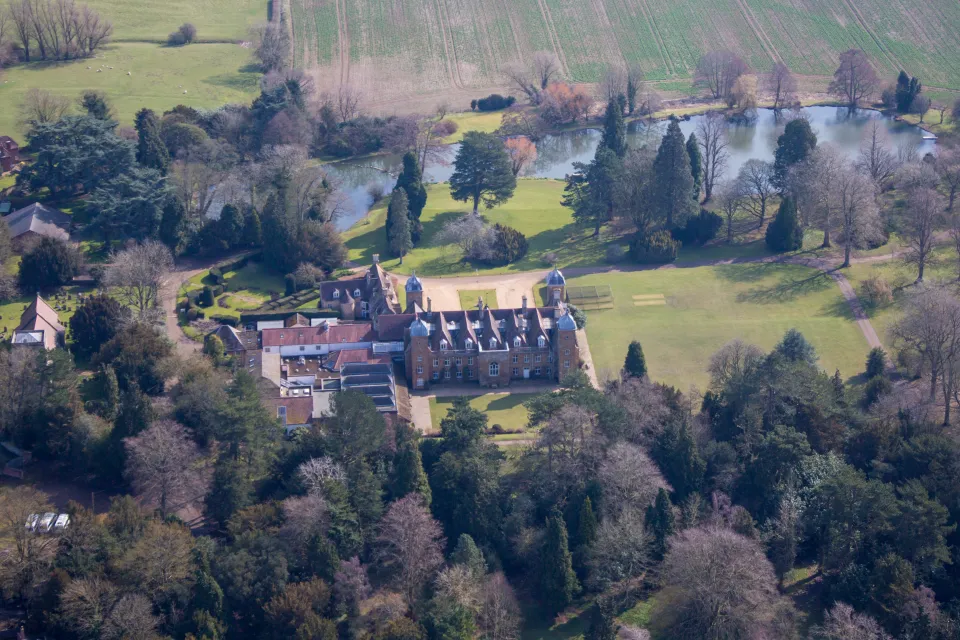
(411, 181)
(793, 146)
(635, 364)
(558, 582)
(482, 171)
(408, 474)
(673, 180)
(696, 164)
(586, 524)
(592, 190)
(784, 233)
(660, 521)
(151, 152)
(398, 225)
(614, 129)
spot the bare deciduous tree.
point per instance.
(781, 86)
(547, 67)
(524, 81)
(315, 473)
(876, 159)
(629, 479)
(718, 71)
(614, 83)
(810, 181)
(500, 616)
(712, 137)
(138, 274)
(271, 45)
(131, 617)
(841, 622)
(923, 217)
(620, 554)
(162, 465)
(931, 329)
(732, 361)
(855, 198)
(351, 586)
(947, 164)
(644, 405)
(40, 106)
(56, 29)
(522, 153)
(730, 199)
(30, 555)
(348, 101)
(86, 603)
(716, 584)
(303, 518)
(198, 175)
(458, 586)
(409, 546)
(471, 234)
(855, 79)
(755, 180)
(160, 558)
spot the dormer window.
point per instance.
(356, 293)
(336, 294)
(541, 341)
(516, 341)
(443, 345)
(468, 343)
(493, 343)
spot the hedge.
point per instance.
(223, 319)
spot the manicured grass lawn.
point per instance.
(214, 19)
(211, 74)
(505, 409)
(473, 121)
(468, 298)
(248, 288)
(706, 307)
(534, 210)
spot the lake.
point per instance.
(556, 153)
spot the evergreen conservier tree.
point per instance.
(784, 232)
(696, 164)
(614, 129)
(398, 225)
(673, 179)
(151, 152)
(482, 171)
(411, 181)
(635, 364)
(558, 582)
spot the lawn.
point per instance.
(505, 409)
(468, 298)
(201, 75)
(215, 20)
(247, 288)
(703, 308)
(534, 210)
(487, 122)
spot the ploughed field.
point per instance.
(402, 47)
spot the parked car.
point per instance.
(32, 521)
(63, 520)
(46, 522)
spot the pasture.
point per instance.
(406, 47)
(702, 308)
(200, 75)
(215, 20)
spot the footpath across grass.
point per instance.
(705, 307)
(198, 75)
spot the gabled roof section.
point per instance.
(40, 219)
(40, 317)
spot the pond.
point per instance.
(556, 153)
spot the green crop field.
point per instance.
(405, 47)
(702, 308)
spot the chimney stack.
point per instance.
(429, 305)
(376, 258)
(524, 306)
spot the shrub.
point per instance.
(495, 102)
(206, 297)
(216, 275)
(876, 362)
(699, 229)
(176, 39)
(192, 315)
(550, 258)
(579, 315)
(375, 190)
(218, 290)
(473, 105)
(876, 387)
(656, 248)
(496, 429)
(445, 128)
(509, 245)
(51, 263)
(875, 292)
(616, 253)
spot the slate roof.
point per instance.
(39, 316)
(40, 219)
(320, 334)
(555, 278)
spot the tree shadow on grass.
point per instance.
(787, 289)
(505, 402)
(246, 82)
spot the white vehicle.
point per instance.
(32, 521)
(62, 521)
(46, 522)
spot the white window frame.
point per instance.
(493, 343)
(536, 371)
(336, 294)
(494, 369)
(566, 364)
(443, 344)
(468, 343)
(436, 375)
(516, 359)
(516, 341)
(541, 341)
(356, 293)
(537, 358)
(516, 372)
(419, 368)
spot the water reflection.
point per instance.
(556, 154)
